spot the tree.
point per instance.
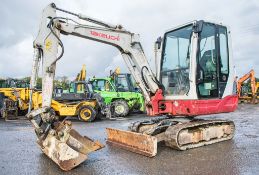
(39, 83)
(63, 82)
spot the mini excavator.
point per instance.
(195, 76)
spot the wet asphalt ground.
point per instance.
(19, 153)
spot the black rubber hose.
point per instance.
(154, 79)
(50, 26)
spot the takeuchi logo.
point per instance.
(103, 35)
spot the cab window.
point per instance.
(102, 85)
(175, 61)
(207, 63)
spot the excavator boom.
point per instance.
(81, 76)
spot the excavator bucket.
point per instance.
(66, 147)
(133, 141)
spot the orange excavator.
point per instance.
(254, 87)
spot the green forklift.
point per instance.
(120, 92)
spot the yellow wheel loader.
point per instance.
(85, 109)
(14, 98)
(14, 101)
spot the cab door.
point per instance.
(105, 89)
(212, 59)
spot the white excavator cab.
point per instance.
(196, 62)
(195, 70)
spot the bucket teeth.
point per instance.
(66, 147)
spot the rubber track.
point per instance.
(173, 132)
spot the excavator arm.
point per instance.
(48, 41)
(58, 140)
(127, 43)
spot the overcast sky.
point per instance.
(149, 18)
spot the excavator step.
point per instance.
(180, 136)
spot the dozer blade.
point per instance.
(132, 141)
(66, 147)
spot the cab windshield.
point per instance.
(175, 61)
(90, 87)
(121, 83)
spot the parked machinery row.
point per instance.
(120, 92)
(111, 97)
(14, 100)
